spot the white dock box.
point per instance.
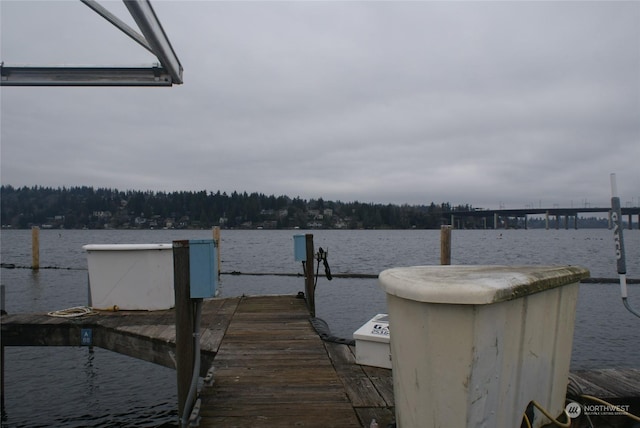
(372, 342)
(475, 345)
(131, 276)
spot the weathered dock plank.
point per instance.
(370, 389)
(619, 387)
(609, 383)
(272, 370)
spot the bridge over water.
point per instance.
(500, 218)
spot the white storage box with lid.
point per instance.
(131, 276)
(372, 342)
(474, 345)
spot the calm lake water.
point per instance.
(79, 387)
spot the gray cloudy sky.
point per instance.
(487, 103)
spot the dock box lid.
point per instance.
(126, 247)
(475, 285)
(374, 330)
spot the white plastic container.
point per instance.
(131, 276)
(372, 342)
(474, 345)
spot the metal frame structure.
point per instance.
(167, 72)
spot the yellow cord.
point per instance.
(613, 406)
(551, 418)
(526, 419)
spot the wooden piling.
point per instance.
(309, 287)
(445, 245)
(2, 312)
(35, 247)
(185, 346)
(216, 239)
(2, 377)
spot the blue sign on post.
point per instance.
(203, 269)
(299, 248)
(86, 337)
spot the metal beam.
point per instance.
(154, 39)
(100, 10)
(144, 15)
(84, 76)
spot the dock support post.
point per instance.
(495, 221)
(309, 285)
(35, 247)
(216, 239)
(2, 377)
(445, 245)
(2, 308)
(185, 346)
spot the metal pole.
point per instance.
(616, 216)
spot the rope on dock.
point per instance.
(323, 330)
(76, 311)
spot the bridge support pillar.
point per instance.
(546, 220)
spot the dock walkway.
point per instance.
(271, 367)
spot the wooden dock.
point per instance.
(271, 367)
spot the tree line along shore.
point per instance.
(86, 207)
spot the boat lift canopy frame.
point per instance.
(153, 38)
